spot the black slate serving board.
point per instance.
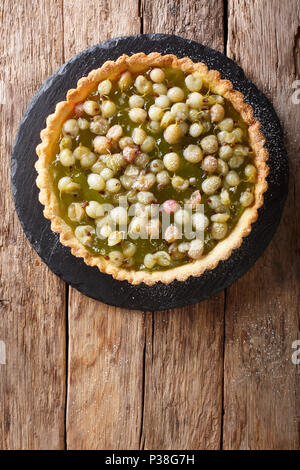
(89, 280)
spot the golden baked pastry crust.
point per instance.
(140, 63)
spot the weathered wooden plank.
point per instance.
(32, 299)
(260, 399)
(88, 22)
(184, 347)
(105, 376)
(183, 378)
(201, 20)
(106, 343)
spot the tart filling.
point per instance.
(152, 167)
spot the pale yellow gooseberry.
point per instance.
(91, 107)
(182, 217)
(211, 184)
(179, 183)
(125, 141)
(200, 221)
(163, 178)
(116, 258)
(172, 233)
(167, 119)
(84, 233)
(175, 94)
(101, 144)
(148, 144)
(136, 101)
(220, 217)
(196, 249)
(143, 85)
(149, 261)
(162, 258)
(65, 143)
(160, 88)
(232, 178)
(125, 80)
(138, 135)
(193, 153)
(137, 115)
(219, 230)
(246, 198)
(83, 123)
(250, 173)
(209, 144)
(66, 157)
(217, 113)
(180, 111)
(119, 215)
(225, 152)
(104, 87)
(196, 129)
(210, 164)
(94, 209)
(156, 165)
(76, 212)
(129, 249)
(96, 182)
(146, 197)
(99, 125)
(71, 128)
(88, 160)
(113, 185)
(226, 125)
(155, 113)
(67, 185)
(173, 134)
(157, 75)
(115, 132)
(108, 108)
(115, 238)
(162, 101)
(194, 82)
(172, 161)
(195, 100)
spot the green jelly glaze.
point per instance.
(79, 175)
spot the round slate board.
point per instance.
(89, 280)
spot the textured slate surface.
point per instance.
(89, 280)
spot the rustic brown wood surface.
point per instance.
(180, 379)
(262, 309)
(32, 299)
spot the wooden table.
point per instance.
(79, 374)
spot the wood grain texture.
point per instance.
(106, 344)
(261, 382)
(105, 376)
(184, 347)
(202, 20)
(183, 377)
(135, 380)
(32, 299)
(87, 22)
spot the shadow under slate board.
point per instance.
(89, 280)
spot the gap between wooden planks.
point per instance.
(151, 380)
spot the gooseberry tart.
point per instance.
(153, 169)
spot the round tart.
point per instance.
(153, 169)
